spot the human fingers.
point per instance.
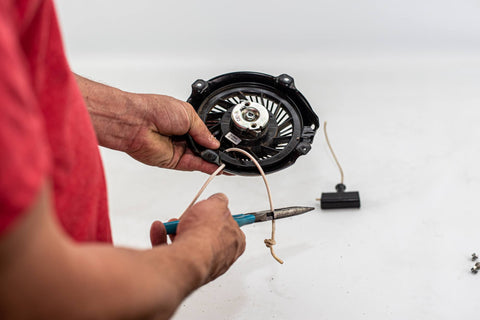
(172, 236)
(222, 240)
(219, 197)
(232, 240)
(155, 150)
(199, 131)
(158, 234)
(190, 162)
(158, 150)
(165, 117)
(175, 117)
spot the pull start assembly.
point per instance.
(262, 114)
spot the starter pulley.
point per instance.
(262, 114)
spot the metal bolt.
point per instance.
(250, 116)
(199, 85)
(286, 79)
(303, 148)
(474, 257)
(475, 268)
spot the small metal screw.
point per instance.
(475, 268)
(250, 116)
(286, 79)
(474, 257)
(303, 148)
(199, 85)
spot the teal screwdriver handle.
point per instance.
(242, 219)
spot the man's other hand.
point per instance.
(163, 117)
(210, 226)
(143, 125)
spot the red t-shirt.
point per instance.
(45, 129)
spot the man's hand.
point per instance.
(143, 125)
(210, 221)
(45, 275)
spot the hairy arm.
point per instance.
(40, 267)
(143, 126)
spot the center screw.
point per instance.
(250, 115)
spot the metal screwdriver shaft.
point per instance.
(252, 217)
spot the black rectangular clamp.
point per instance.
(340, 199)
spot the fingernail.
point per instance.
(215, 141)
(220, 196)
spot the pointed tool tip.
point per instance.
(291, 211)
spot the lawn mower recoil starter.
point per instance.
(262, 114)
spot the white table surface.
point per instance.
(406, 130)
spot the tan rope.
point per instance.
(213, 175)
(331, 150)
(268, 242)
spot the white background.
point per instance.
(398, 82)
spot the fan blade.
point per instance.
(279, 108)
(280, 140)
(263, 100)
(216, 130)
(255, 151)
(225, 104)
(284, 125)
(269, 151)
(214, 117)
(242, 95)
(214, 127)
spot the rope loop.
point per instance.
(268, 242)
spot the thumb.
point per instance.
(220, 197)
(158, 234)
(199, 131)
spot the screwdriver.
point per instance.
(252, 217)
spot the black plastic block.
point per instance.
(340, 200)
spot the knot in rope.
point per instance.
(269, 242)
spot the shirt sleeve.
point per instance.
(24, 151)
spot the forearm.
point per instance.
(132, 284)
(107, 283)
(111, 112)
(143, 125)
(78, 281)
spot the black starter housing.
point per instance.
(286, 133)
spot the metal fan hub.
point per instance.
(250, 116)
